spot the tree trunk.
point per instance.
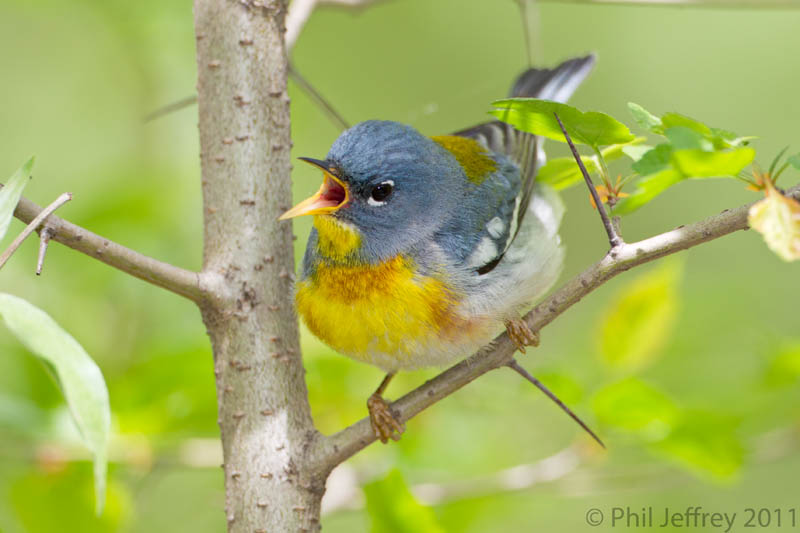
(264, 416)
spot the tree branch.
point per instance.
(336, 448)
(172, 278)
(264, 416)
(35, 223)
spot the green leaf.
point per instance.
(648, 188)
(653, 161)
(563, 172)
(79, 377)
(535, 116)
(645, 119)
(393, 509)
(636, 152)
(705, 443)
(777, 218)
(794, 161)
(695, 163)
(715, 138)
(11, 193)
(561, 384)
(637, 407)
(640, 319)
(784, 369)
(682, 138)
(616, 151)
(676, 120)
(728, 139)
(66, 492)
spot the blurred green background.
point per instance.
(701, 411)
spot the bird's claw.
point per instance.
(383, 421)
(521, 335)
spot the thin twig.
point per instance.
(301, 81)
(32, 225)
(320, 100)
(336, 448)
(516, 367)
(44, 239)
(526, 30)
(299, 13)
(613, 238)
(171, 108)
(170, 277)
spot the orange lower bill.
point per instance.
(332, 195)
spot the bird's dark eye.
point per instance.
(380, 192)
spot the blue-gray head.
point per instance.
(390, 183)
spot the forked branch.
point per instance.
(172, 278)
(31, 227)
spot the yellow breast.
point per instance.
(387, 309)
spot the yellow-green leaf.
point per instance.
(777, 218)
(636, 152)
(637, 407)
(696, 163)
(639, 321)
(654, 160)
(648, 188)
(537, 116)
(784, 368)
(11, 193)
(563, 172)
(705, 443)
(79, 377)
(645, 118)
(393, 509)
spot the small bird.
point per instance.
(424, 248)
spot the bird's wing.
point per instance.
(524, 149)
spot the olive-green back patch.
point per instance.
(469, 153)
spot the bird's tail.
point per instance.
(556, 83)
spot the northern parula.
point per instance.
(423, 248)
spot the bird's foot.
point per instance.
(384, 423)
(520, 334)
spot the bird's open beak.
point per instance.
(331, 195)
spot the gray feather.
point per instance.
(524, 149)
